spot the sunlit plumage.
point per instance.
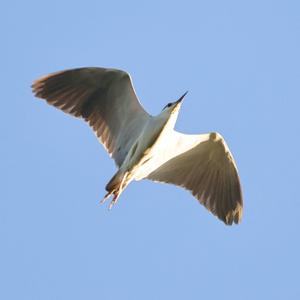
(145, 146)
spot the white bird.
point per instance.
(145, 146)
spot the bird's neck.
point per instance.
(170, 121)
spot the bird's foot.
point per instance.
(114, 199)
(115, 189)
(105, 197)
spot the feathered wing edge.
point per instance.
(209, 172)
(102, 97)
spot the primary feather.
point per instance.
(104, 98)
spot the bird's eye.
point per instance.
(168, 105)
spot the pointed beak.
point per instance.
(181, 98)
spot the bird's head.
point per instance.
(173, 107)
(170, 112)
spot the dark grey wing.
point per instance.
(207, 169)
(104, 98)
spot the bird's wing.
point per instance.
(104, 98)
(203, 165)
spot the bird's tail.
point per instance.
(115, 183)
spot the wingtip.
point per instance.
(36, 87)
(234, 216)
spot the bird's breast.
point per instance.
(144, 155)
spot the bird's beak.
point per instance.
(181, 98)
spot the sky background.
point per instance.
(240, 62)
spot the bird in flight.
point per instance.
(145, 146)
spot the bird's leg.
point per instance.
(114, 200)
(105, 197)
(123, 182)
(118, 192)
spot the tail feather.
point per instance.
(115, 182)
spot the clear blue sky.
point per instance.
(240, 61)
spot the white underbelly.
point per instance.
(154, 159)
(144, 170)
(149, 155)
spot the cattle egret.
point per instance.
(145, 146)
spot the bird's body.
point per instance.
(144, 146)
(146, 153)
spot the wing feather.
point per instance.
(207, 169)
(104, 98)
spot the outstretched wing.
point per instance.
(204, 165)
(104, 98)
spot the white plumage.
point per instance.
(145, 146)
